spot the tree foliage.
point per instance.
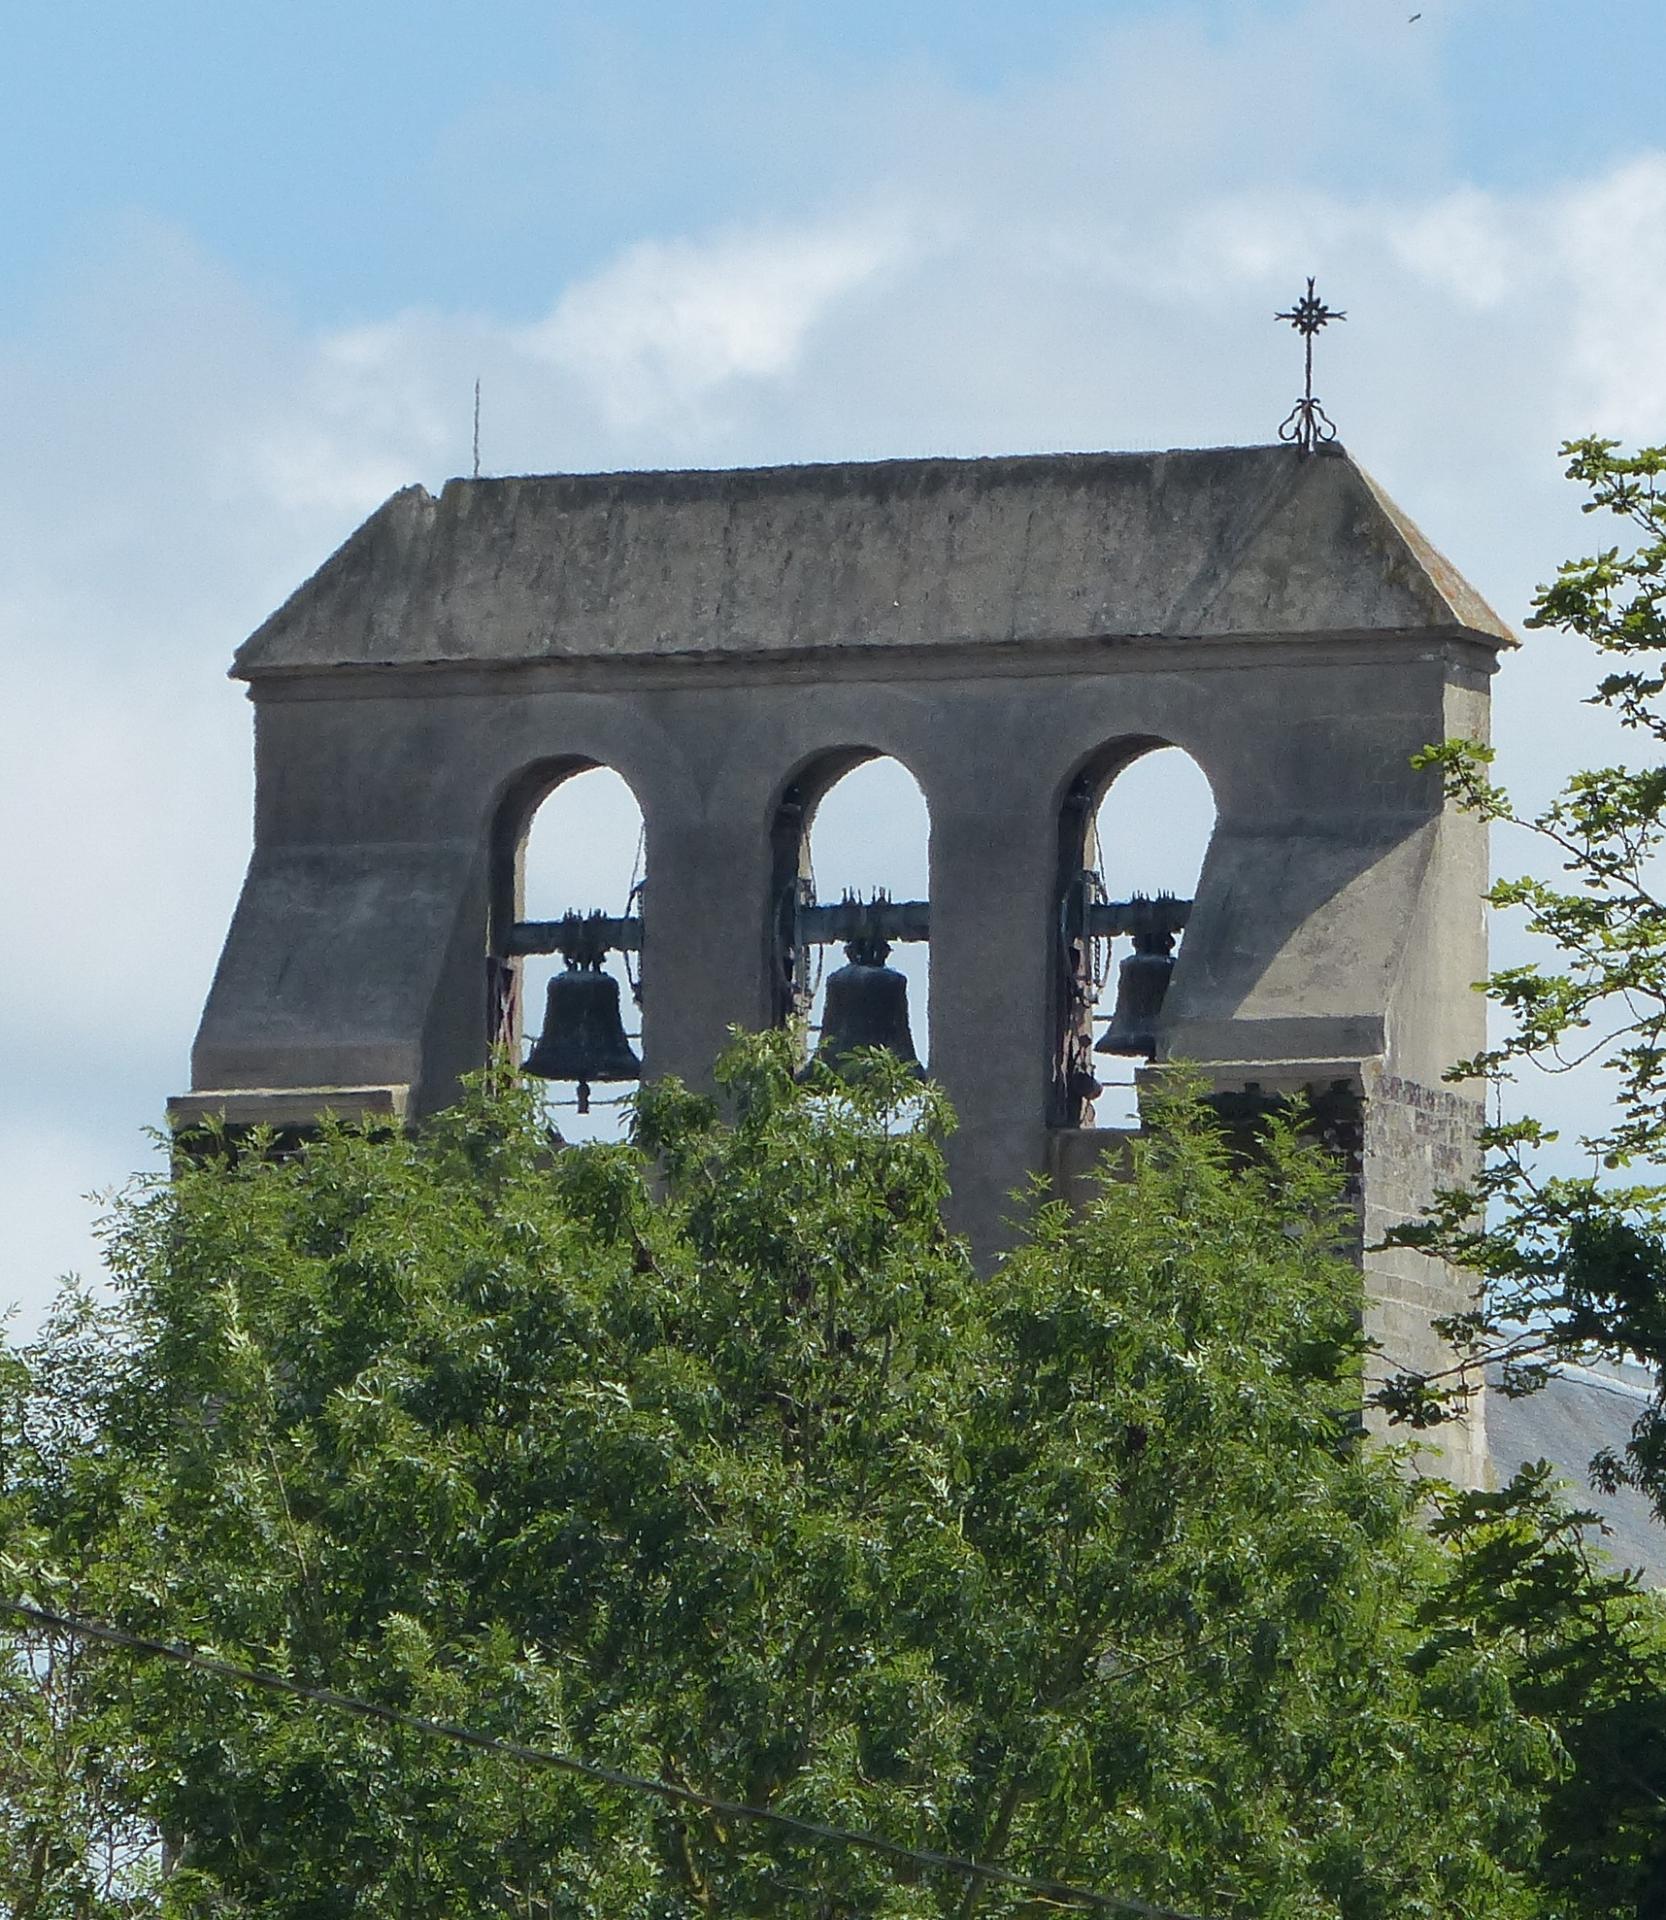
(74, 1836)
(709, 1458)
(1584, 1651)
(1573, 1265)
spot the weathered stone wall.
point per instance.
(724, 640)
(1417, 1140)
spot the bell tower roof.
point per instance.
(1233, 543)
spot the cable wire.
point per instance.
(270, 1682)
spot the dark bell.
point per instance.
(583, 1038)
(1141, 982)
(867, 1006)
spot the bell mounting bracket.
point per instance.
(584, 938)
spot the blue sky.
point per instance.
(356, 158)
(252, 260)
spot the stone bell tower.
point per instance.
(1015, 632)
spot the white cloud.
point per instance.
(1466, 246)
(54, 1185)
(1610, 238)
(1585, 264)
(667, 322)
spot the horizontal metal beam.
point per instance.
(575, 934)
(1107, 918)
(897, 921)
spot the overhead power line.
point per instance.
(270, 1682)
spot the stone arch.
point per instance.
(518, 801)
(568, 836)
(823, 843)
(1114, 798)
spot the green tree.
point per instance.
(1574, 1264)
(74, 1840)
(1584, 1652)
(709, 1458)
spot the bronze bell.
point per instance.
(583, 1038)
(867, 1006)
(1141, 982)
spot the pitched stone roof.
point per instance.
(1575, 1415)
(1235, 542)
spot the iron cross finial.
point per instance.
(1308, 425)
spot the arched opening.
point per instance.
(1134, 832)
(852, 827)
(572, 857)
